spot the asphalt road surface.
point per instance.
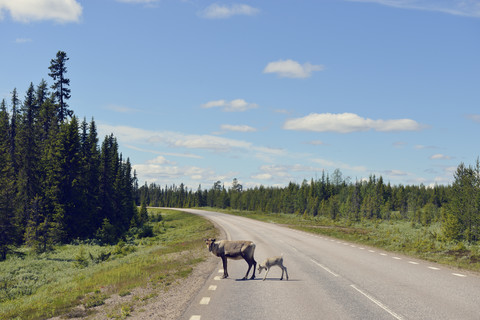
(330, 279)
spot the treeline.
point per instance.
(456, 207)
(56, 182)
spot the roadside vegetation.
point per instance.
(38, 286)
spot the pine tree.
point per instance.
(58, 70)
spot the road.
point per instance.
(330, 279)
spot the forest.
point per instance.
(57, 183)
(455, 207)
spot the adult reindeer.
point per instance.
(234, 250)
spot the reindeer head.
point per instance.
(260, 268)
(209, 243)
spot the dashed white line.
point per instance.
(383, 254)
(205, 300)
(412, 262)
(195, 317)
(434, 268)
(459, 275)
(371, 251)
(212, 287)
(397, 258)
(217, 278)
(378, 303)
(325, 268)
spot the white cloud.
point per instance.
(207, 142)
(291, 69)
(216, 11)
(474, 117)
(399, 144)
(239, 128)
(159, 160)
(348, 122)
(23, 40)
(440, 156)
(397, 173)
(339, 165)
(121, 109)
(61, 11)
(282, 172)
(137, 1)
(470, 8)
(131, 135)
(153, 172)
(317, 143)
(262, 176)
(237, 105)
(172, 154)
(422, 147)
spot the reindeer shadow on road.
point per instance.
(269, 279)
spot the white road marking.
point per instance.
(412, 262)
(459, 275)
(397, 258)
(433, 268)
(212, 287)
(378, 303)
(325, 268)
(195, 317)
(217, 278)
(361, 248)
(383, 254)
(220, 271)
(371, 251)
(205, 300)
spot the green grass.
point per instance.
(41, 286)
(423, 242)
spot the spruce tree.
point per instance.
(27, 156)
(8, 232)
(58, 70)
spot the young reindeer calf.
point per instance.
(270, 262)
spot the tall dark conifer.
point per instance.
(13, 129)
(8, 233)
(58, 69)
(69, 177)
(27, 157)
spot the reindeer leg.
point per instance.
(265, 276)
(225, 272)
(254, 267)
(281, 278)
(249, 267)
(286, 272)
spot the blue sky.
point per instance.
(267, 92)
